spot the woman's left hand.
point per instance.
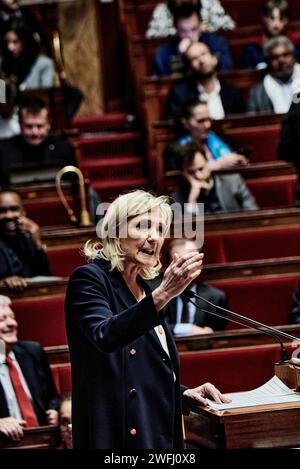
(199, 394)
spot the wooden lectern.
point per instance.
(266, 426)
(270, 426)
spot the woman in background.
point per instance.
(21, 58)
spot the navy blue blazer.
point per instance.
(187, 90)
(124, 394)
(35, 367)
(168, 53)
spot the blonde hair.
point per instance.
(115, 220)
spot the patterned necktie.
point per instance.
(24, 402)
(185, 314)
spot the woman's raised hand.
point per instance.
(180, 273)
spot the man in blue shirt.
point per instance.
(168, 57)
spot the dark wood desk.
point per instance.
(35, 438)
(231, 338)
(38, 290)
(270, 426)
(58, 354)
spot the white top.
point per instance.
(214, 102)
(41, 75)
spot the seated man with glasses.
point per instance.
(277, 90)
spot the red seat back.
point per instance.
(64, 260)
(267, 300)
(41, 320)
(262, 244)
(62, 378)
(273, 192)
(49, 212)
(261, 141)
(230, 370)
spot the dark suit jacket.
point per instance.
(54, 151)
(294, 314)
(212, 294)
(122, 378)
(187, 90)
(258, 100)
(289, 143)
(33, 263)
(166, 53)
(35, 368)
(232, 193)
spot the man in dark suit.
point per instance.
(35, 148)
(184, 318)
(289, 143)
(27, 392)
(187, 21)
(202, 83)
(22, 253)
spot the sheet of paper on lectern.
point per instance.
(272, 392)
(44, 279)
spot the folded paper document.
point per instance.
(272, 392)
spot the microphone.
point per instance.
(242, 320)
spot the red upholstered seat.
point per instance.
(262, 141)
(62, 378)
(41, 320)
(262, 244)
(273, 192)
(49, 212)
(64, 260)
(230, 370)
(213, 249)
(264, 299)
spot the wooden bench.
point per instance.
(255, 133)
(77, 236)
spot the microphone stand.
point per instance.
(243, 321)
